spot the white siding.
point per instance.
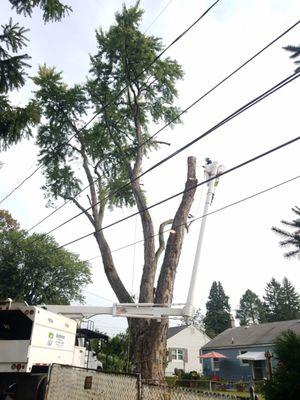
(192, 340)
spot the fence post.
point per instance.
(252, 393)
(210, 388)
(139, 387)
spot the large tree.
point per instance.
(282, 301)
(251, 309)
(34, 269)
(111, 152)
(217, 315)
(16, 122)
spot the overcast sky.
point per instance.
(240, 250)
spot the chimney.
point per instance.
(231, 321)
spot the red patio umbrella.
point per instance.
(213, 354)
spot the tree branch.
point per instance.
(165, 285)
(161, 239)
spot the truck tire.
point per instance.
(41, 391)
(10, 393)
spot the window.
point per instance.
(200, 354)
(245, 363)
(177, 354)
(215, 364)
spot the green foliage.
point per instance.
(7, 222)
(12, 74)
(112, 142)
(290, 239)
(16, 122)
(32, 268)
(53, 10)
(196, 320)
(282, 301)
(296, 53)
(217, 315)
(251, 309)
(286, 380)
(116, 355)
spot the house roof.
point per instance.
(174, 330)
(252, 335)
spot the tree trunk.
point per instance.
(148, 343)
(148, 335)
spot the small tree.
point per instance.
(217, 315)
(196, 320)
(117, 353)
(251, 309)
(286, 380)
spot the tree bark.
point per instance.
(149, 336)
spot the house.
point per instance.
(243, 351)
(184, 345)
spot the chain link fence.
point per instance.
(151, 392)
(72, 383)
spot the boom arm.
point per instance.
(141, 310)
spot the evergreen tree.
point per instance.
(290, 239)
(290, 300)
(296, 53)
(217, 315)
(251, 309)
(16, 122)
(285, 384)
(272, 301)
(281, 301)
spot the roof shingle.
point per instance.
(252, 335)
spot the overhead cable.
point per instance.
(204, 215)
(238, 166)
(233, 115)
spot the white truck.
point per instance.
(31, 340)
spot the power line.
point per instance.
(175, 153)
(261, 155)
(205, 215)
(120, 92)
(156, 18)
(214, 87)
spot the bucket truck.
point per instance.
(32, 338)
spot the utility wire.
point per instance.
(204, 215)
(175, 153)
(214, 87)
(261, 155)
(156, 18)
(120, 92)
